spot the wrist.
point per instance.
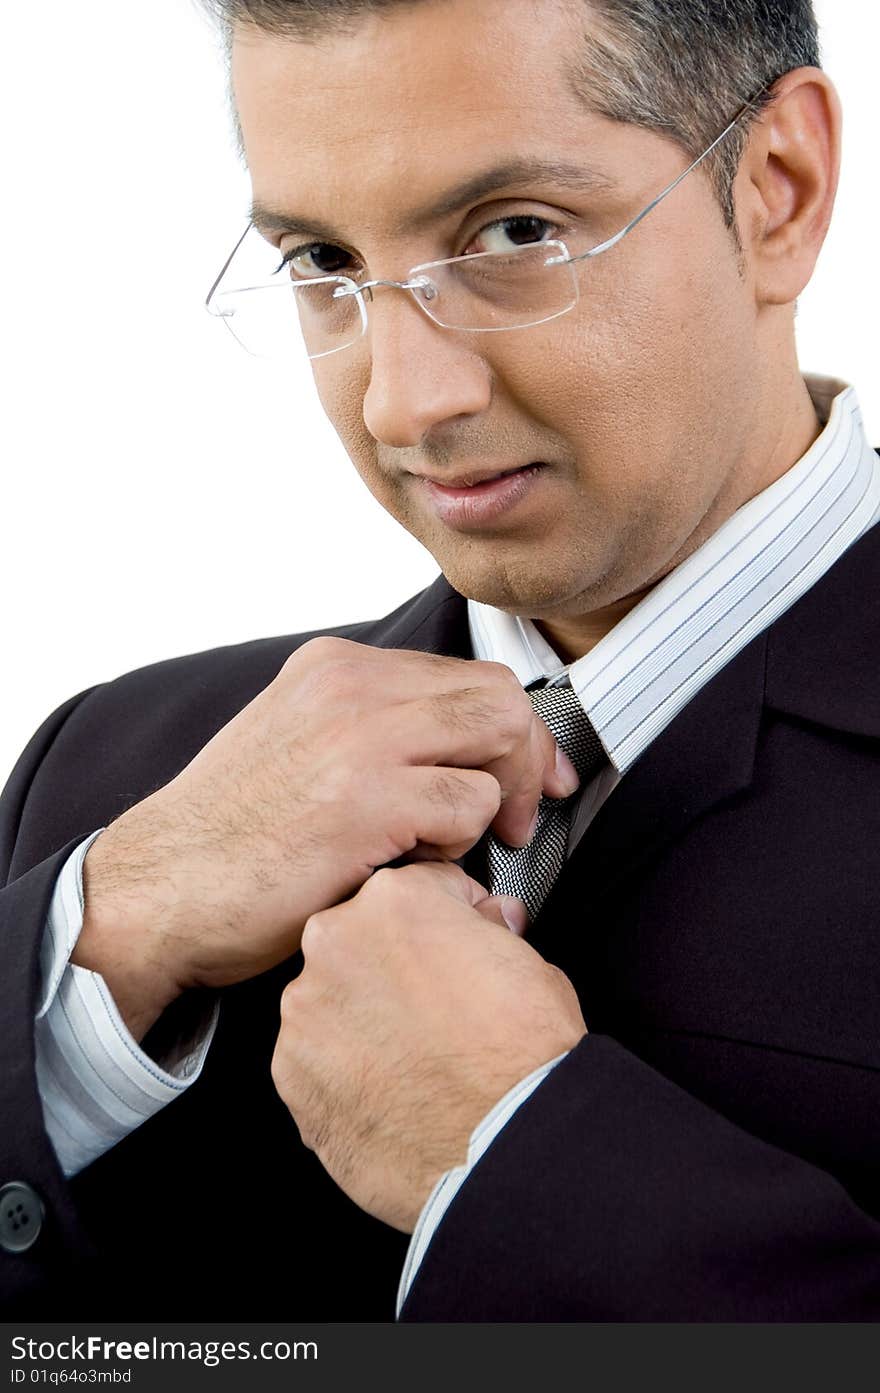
(122, 941)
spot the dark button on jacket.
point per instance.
(21, 1217)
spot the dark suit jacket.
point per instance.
(709, 1151)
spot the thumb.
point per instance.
(505, 910)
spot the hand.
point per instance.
(416, 1010)
(351, 758)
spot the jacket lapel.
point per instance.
(434, 621)
(706, 754)
(817, 662)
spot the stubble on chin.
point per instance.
(529, 585)
(559, 582)
(587, 567)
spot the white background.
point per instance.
(162, 492)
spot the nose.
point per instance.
(421, 374)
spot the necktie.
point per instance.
(530, 871)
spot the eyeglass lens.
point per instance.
(486, 291)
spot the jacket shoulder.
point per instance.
(822, 653)
(222, 679)
(120, 741)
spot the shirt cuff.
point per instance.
(96, 1084)
(63, 924)
(448, 1185)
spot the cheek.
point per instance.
(650, 369)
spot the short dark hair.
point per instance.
(680, 67)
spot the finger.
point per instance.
(490, 725)
(542, 768)
(389, 676)
(505, 910)
(446, 808)
(521, 775)
(422, 851)
(472, 713)
(564, 779)
(467, 716)
(425, 878)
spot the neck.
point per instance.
(572, 637)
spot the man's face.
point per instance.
(635, 403)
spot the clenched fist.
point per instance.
(351, 758)
(415, 1012)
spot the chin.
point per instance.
(519, 590)
(561, 593)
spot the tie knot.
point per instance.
(571, 727)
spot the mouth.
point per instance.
(479, 498)
(475, 478)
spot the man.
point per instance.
(656, 1098)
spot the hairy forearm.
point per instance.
(117, 941)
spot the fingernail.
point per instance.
(533, 825)
(514, 914)
(566, 772)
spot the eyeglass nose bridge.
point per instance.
(423, 283)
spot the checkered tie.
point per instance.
(530, 871)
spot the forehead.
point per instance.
(408, 100)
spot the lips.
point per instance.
(484, 498)
(478, 476)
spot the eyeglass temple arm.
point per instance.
(594, 251)
(612, 241)
(226, 265)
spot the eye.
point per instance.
(503, 234)
(517, 230)
(327, 261)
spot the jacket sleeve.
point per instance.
(614, 1195)
(26, 1153)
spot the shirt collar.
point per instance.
(758, 563)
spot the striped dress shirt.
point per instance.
(96, 1083)
(641, 674)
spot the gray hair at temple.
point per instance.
(679, 67)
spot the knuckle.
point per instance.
(333, 663)
(503, 675)
(310, 1131)
(450, 790)
(471, 799)
(304, 656)
(423, 876)
(385, 883)
(496, 700)
(559, 980)
(289, 1003)
(315, 935)
(276, 1068)
(546, 738)
(322, 648)
(513, 702)
(461, 710)
(489, 794)
(305, 1133)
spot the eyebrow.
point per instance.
(520, 170)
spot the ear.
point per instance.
(787, 184)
